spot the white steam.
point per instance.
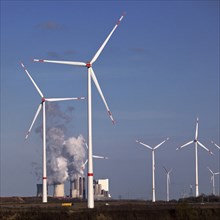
(65, 155)
(75, 152)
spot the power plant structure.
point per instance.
(59, 190)
(39, 190)
(101, 189)
(77, 189)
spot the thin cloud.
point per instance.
(49, 25)
(69, 52)
(53, 54)
(138, 49)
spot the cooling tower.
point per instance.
(39, 190)
(59, 190)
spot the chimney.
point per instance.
(84, 188)
(73, 191)
(77, 187)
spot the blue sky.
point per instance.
(158, 72)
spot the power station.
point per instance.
(78, 190)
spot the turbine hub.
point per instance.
(88, 65)
(195, 141)
(43, 100)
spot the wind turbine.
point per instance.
(153, 165)
(92, 75)
(213, 180)
(42, 106)
(168, 183)
(215, 144)
(196, 153)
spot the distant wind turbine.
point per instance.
(92, 75)
(42, 106)
(213, 180)
(215, 144)
(94, 156)
(168, 183)
(196, 153)
(153, 164)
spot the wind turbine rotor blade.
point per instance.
(83, 166)
(35, 117)
(63, 99)
(35, 85)
(99, 157)
(144, 144)
(101, 94)
(204, 147)
(73, 63)
(197, 129)
(160, 144)
(216, 173)
(106, 41)
(87, 146)
(190, 142)
(165, 169)
(210, 170)
(215, 144)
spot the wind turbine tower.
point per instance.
(168, 183)
(42, 106)
(91, 75)
(196, 154)
(213, 180)
(191, 190)
(153, 165)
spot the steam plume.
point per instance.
(65, 155)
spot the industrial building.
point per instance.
(77, 189)
(101, 189)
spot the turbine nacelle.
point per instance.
(88, 65)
